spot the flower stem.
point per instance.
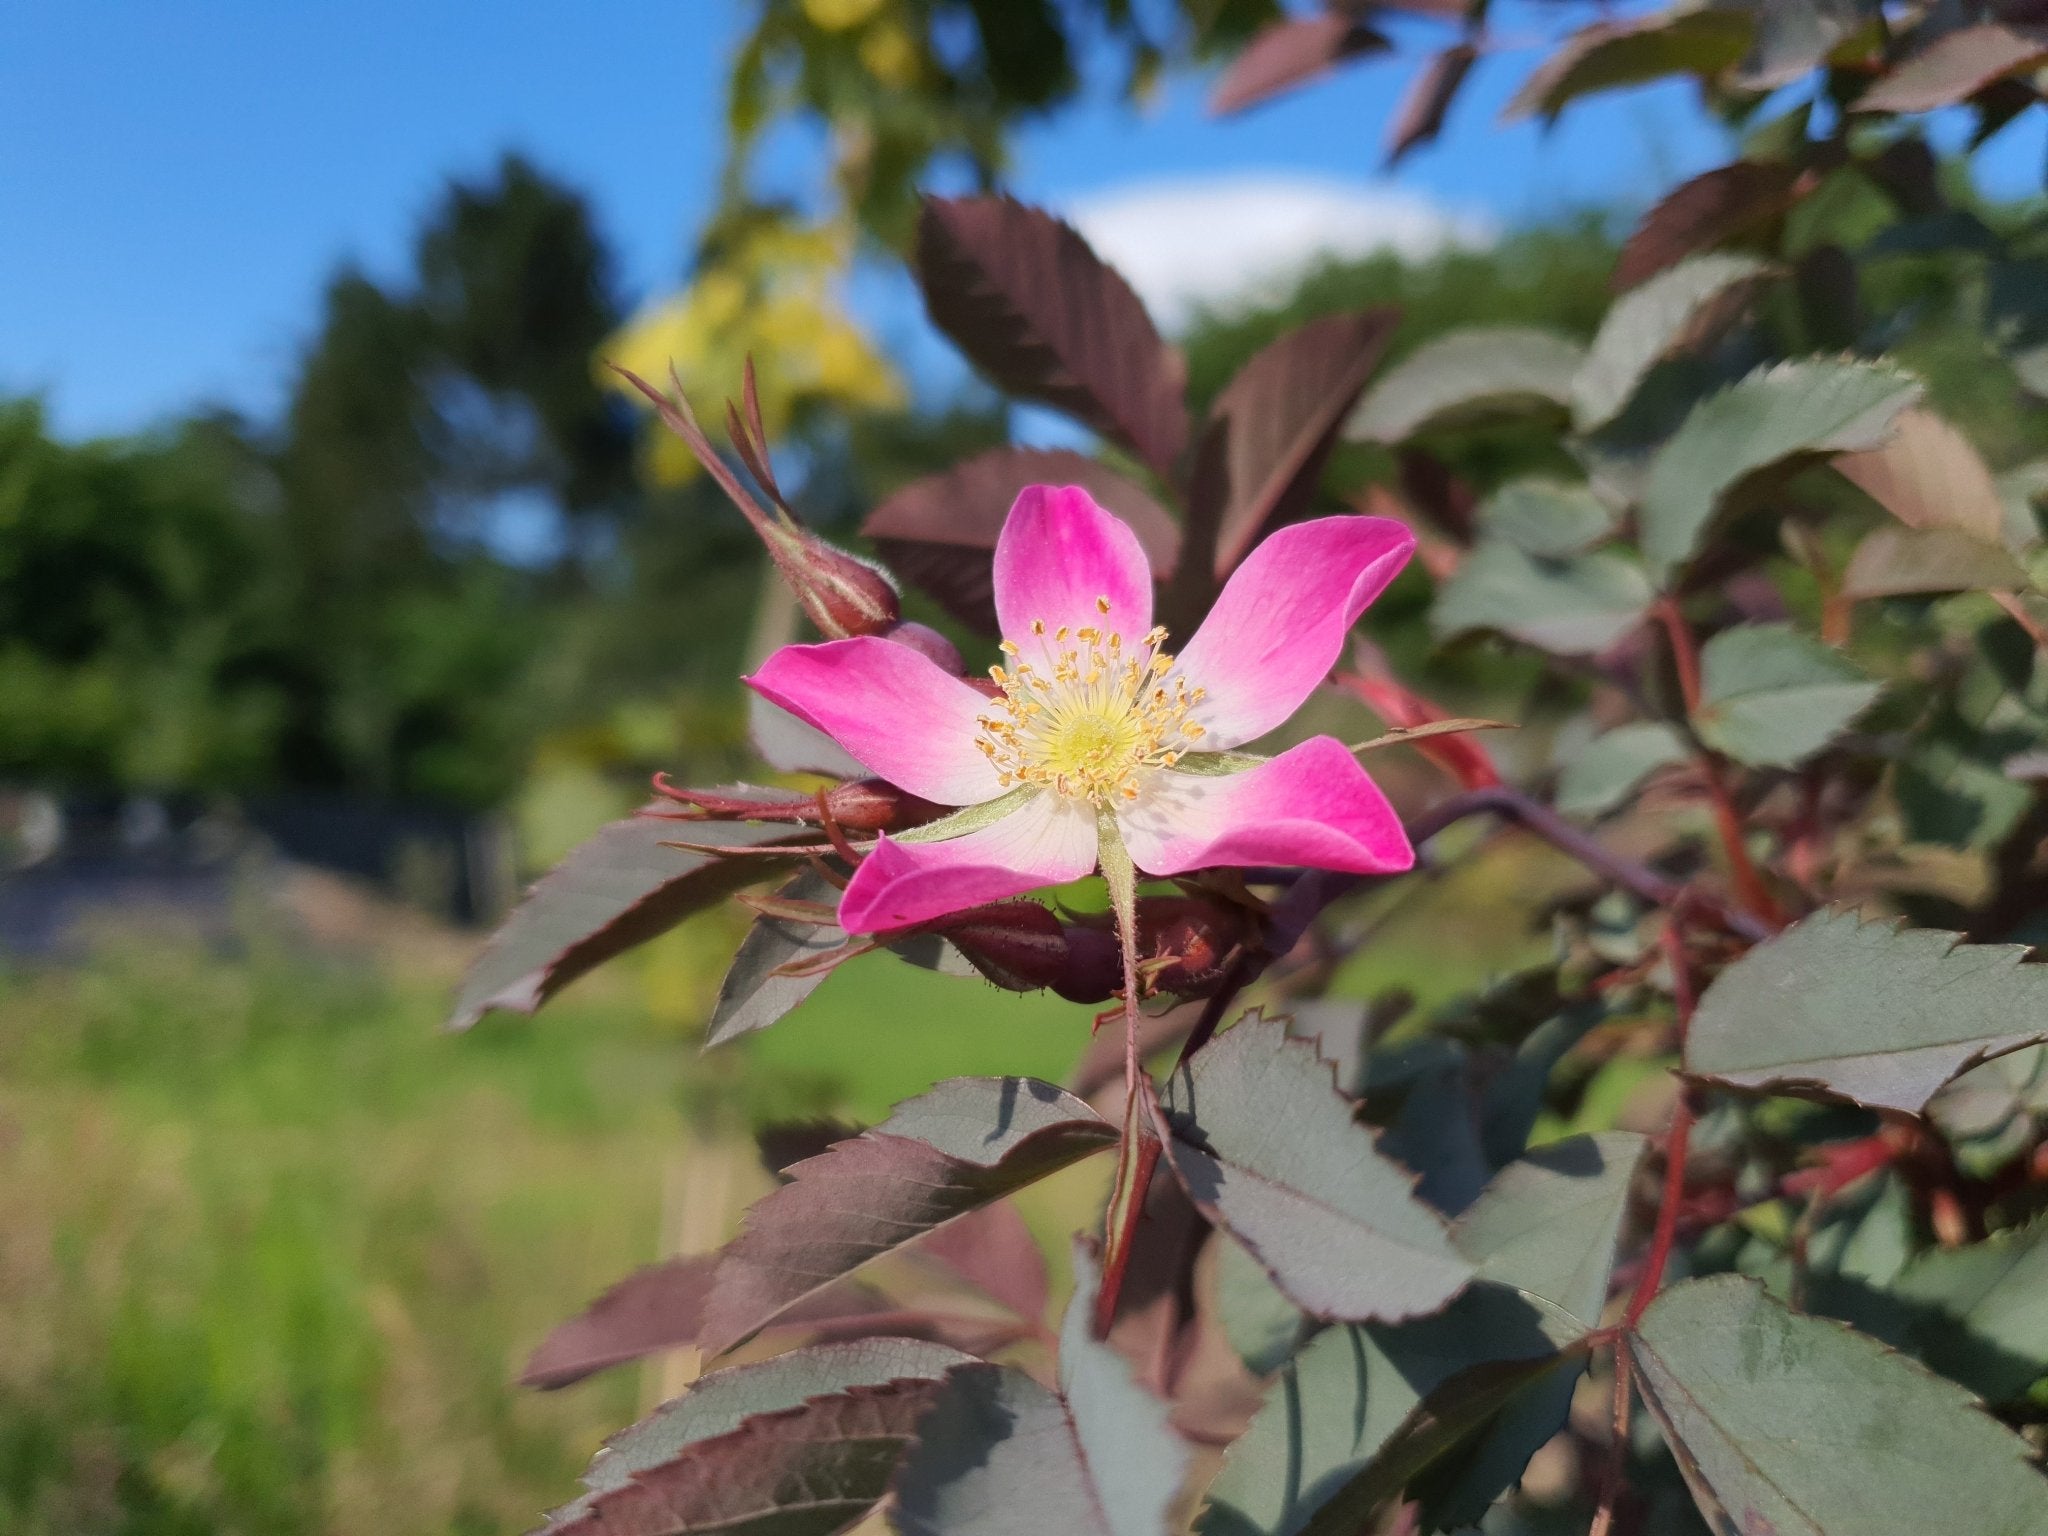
(1139, 1146)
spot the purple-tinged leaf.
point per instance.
(1928, 475)
(993, 1251)
(866, 1315)
(1712, 209)
(756, 992)
(1955, 66)
(1894, 561)
(720, 1402)
(939, 533)
(1045, 318)
(812, 1470)
(1802, 1427)
(1869, 1012)
(1001, 1455)
(967, 1143)
(1608, 54)
(656, 1308)
(783, 1142)
(1420, 117)
(1268, 1150)
(1291, 53)
(618, 890)
(1279, 419)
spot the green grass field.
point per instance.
(273, 1246)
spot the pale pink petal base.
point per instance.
(1279, 624)
(1057, 554)
(1045, 841)
(1313, 807)
(903, 717)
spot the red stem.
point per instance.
(1749, 883)
(1678, 1144)
(1615, 1483)
(1685, 654)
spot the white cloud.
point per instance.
(1221, 240)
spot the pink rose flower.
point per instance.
(1095, 718)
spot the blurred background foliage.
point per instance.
(270, 1247)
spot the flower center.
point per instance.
(1084, 714)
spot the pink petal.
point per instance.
(1312, 806)
(1057, 554)
(1047, 840)
(1280, 622)
(895, 710)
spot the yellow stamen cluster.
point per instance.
(1085, 715)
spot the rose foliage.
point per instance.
(1354, 1269)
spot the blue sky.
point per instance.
(178, 181)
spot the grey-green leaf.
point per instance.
(1001, 1455)
(1553, 519)
(1867, 1012)
(1775, 414)
(1771, 696)
(1267, 1148)
(1568, 607)
(1651, 322)
(1468, 376)
(1361, 1410)
(1980, 1314)
(1802, 1427)
(1263, 1326)
(1547, 1224)
(1603, 772)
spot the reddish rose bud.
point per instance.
(1018, 945)
(841, 593)
(1187, 945)
(869, 805)
(861, 805)
(1094, 971)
